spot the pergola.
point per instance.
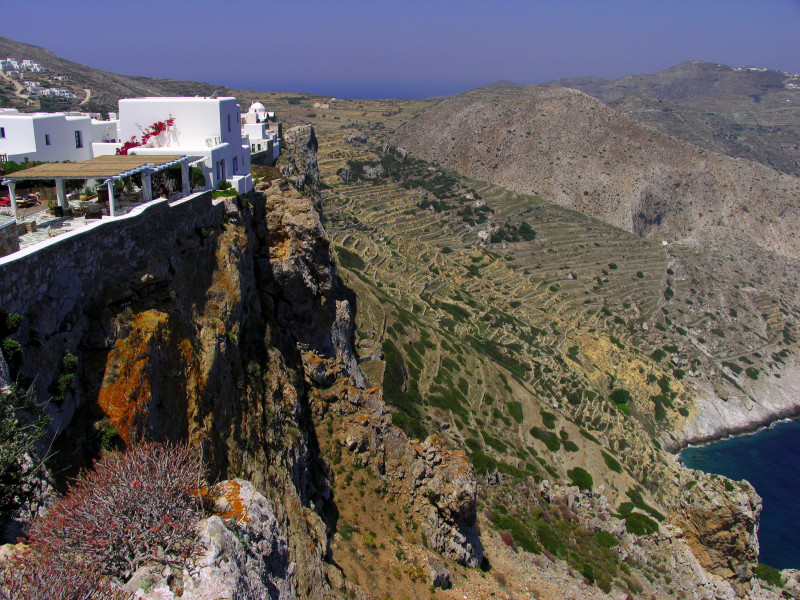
(108, 168)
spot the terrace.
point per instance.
(71, 211)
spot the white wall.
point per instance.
(198, 123)
(26, 137)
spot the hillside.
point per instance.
(574, 150)
(742, 112)
(107, 88)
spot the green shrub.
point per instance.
(620, 396)
(570, 446)
(581, 478)
(640, 524)
(612, 463)
(548, 419)
(550, 539)
(521, 534)
(515, 410)
(349, 259)
(483, 464)
(752, 373)
(549, 438)
(605, 539)
(770, 575)
(224, 185)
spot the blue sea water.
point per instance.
(770, 460)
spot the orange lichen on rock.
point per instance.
(228, 501)
(125, 392)
(143, 365)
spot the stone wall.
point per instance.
(82, 263)
(9, 239)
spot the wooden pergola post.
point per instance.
(61, 194)
(185, 177)
(112, 207)
(11, 186)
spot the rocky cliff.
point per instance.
(235, 335)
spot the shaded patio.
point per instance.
(109, 168)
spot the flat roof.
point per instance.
(99, 167)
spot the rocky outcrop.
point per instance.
(357, 137)
(437, 483)
(298, 161)
(719, 520)
(244, 555)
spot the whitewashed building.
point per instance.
(206, 127)
(44, 136)
(264, 143)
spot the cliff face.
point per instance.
(230, 335)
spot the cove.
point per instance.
(770, 460)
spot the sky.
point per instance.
(409, 49)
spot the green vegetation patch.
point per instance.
(581, 477)
(549, 438)
(349, 259)
(639, 524)
(612, 463)
(770, 575)
(515, 410)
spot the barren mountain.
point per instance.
(743, 112)
(574, 150)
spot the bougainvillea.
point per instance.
(154, 130)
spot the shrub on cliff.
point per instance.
(22, 423)
(134, 507)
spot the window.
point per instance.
(2, 132)
(235, 164)
(229, 122)
(78, 139)
(252, 147)
(46, 139)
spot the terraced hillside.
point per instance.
(542, 341)
(579, 153)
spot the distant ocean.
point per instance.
(770, 460)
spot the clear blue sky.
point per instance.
(377, 48)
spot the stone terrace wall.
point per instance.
(9, 239)
(85, 263)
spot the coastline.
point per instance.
(715, 419)
(738, 434)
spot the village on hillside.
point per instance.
(63, 170)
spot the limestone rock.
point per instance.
(438, 575)
(298, 162)
(720, 522)
(246, 558)
(357, 137)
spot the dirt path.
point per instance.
(88, 96)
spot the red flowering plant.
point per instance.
(134, 508)
(151, 132)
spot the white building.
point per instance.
(262, 140)
(44, 136)
(257, 114)
(206, 127)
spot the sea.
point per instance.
(770, 460)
